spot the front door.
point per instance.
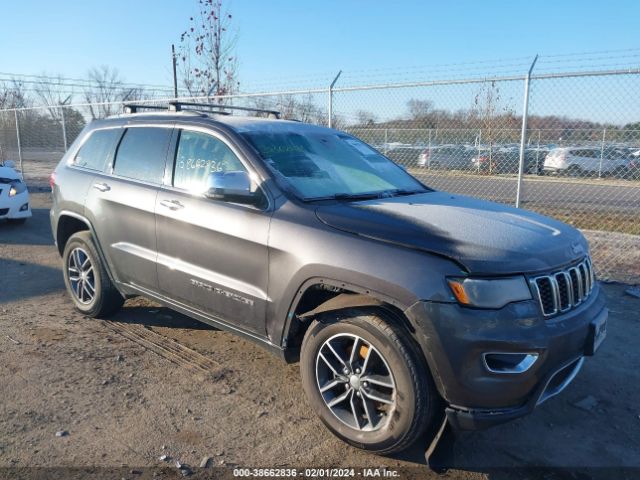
(212, 254)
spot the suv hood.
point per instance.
(485, 237)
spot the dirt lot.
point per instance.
(150, 382)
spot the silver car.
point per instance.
(586, 161)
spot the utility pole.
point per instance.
(175, 75)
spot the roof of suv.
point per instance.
(237, 122)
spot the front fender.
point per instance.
(393, 274)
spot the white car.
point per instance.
(14, 196)
(586, 161)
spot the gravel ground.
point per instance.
(117, 395)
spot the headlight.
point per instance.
(489, 293)
(17, 187)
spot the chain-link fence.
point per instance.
(565, 145)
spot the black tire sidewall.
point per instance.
(84, 242)
(400, 423)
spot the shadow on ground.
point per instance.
(21, 280)
(152, 316)
(35, 231)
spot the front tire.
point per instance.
(367, 381)
(86, 278)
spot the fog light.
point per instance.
(24, 207)
(509, 362)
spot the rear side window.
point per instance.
(97, 151)
(199, 155)
(141, 154)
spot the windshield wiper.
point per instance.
(367, 195)
(402, 191)
(358, 196)
(346, 196)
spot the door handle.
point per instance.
(172, 204)
(103, 187)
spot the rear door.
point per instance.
(212, 254)
(122, 204)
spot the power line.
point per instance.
(60, 79)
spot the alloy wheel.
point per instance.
(355, 382)
(81, 275)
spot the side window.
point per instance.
(199, 154)
(142, 152)
(97, 151)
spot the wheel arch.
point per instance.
(70, 223)
(320, 296)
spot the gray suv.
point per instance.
(404, 305)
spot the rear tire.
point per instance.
(360, 420)
(86, 278)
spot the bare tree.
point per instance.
(13, 95)
(364, 117)
(51, 93)
(419, 109)
(207, 51)
(492, 114)
(107, 92)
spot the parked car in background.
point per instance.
(447, 157)
(633, 169)
(508, 161)
(407, 156)
(14, 196)
(587, 161)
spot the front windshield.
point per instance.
(326, 164)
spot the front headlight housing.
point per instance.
(489, 293)
(17, 187)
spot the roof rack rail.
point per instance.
(134, 107)
(220, 109)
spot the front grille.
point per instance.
(563, 290)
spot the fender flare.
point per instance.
(340, 302)
(362, 297)
(89, 225)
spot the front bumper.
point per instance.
(454, 338)
(13, 207)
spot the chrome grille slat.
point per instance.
(565, 289)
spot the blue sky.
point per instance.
(289, 43)
(282, 39)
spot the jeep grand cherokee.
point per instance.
(398, 301)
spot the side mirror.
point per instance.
(231, 186)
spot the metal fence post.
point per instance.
(19, 143)
(523, 135)
(479, 141)
(331, 99)
(429, 152)
(64, 128)
(538, 154)
(604, 137)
